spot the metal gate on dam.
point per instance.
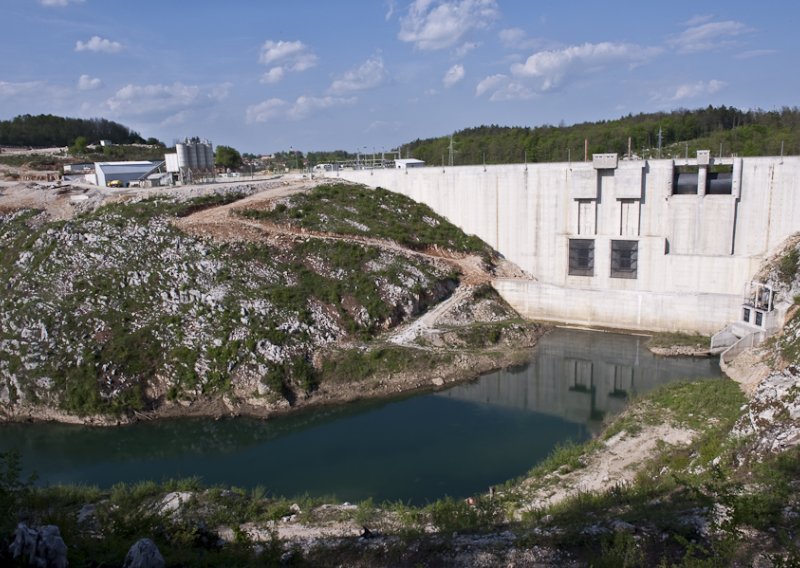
(659, 245)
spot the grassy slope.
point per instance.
(117, 296)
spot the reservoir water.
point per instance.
(455, 442)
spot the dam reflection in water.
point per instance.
(457, 442)
(583, 376)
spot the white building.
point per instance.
(124, 172)
(408, 163)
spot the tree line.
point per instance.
(46, 130)
(723, 130)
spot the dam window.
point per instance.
(624, 259)
(719, 180)
(684, 180)
(581, 257)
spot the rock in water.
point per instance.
(144, 554)
(42, 547)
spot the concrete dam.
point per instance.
(659, 245)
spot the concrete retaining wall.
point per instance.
(695, 252)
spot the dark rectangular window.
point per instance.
(624, 259)
(759, 319)
(746, 315)
(581, 257)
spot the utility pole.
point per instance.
(451, 151)
(659, 142)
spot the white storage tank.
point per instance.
(183, 155)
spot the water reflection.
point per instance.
(416, 449)
(583, 376)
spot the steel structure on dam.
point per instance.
(632, 244)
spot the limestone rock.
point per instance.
(144, 554)
(41, 547)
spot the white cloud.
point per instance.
(8, 89)
(59, 2)
(304, 106)
(551, 67)
(370, 74)
(282, 56)
(294, 55)
(274, 75)
(513, 91)
(437, 24)
(87, 83)
(453, 75)
(755, 53)
(693, 90)
(697, 20)
(466, 47)
(98, 44)
(158, 101)
(490, 83)
(265, 111)
(517, 38)
(502, 88)
(707, 36)
(391, 6)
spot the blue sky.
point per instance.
(369, 75)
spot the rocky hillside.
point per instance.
(130, 307)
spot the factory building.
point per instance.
(125, 174)
(192, 161)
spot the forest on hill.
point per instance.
(46, 130)
(723, 130)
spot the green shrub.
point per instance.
(787, 265)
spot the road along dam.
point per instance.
(662, 245)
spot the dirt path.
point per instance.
(223, 223)
(615, 464)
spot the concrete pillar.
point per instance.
(702, 175)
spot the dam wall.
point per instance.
(663, 245)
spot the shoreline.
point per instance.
(466, 367)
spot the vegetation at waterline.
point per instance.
(350, 209)
(698, 505)
(744, 133)
(675, 339)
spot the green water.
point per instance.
(456, 442)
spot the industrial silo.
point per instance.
(183, 156)
(209, 155)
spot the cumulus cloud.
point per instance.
(704, 35)
(8, 89)
(693, 90)
(59, 2)
(303, 107)
(157, 101)
(503, 88)
(517, 38)
(265, 111)
(87, 83)
(453, 75)
(466, 47)
(282, 56)
(370, 74)
(436, 24)
(98, 44)
(274, 75)
(551, 67)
